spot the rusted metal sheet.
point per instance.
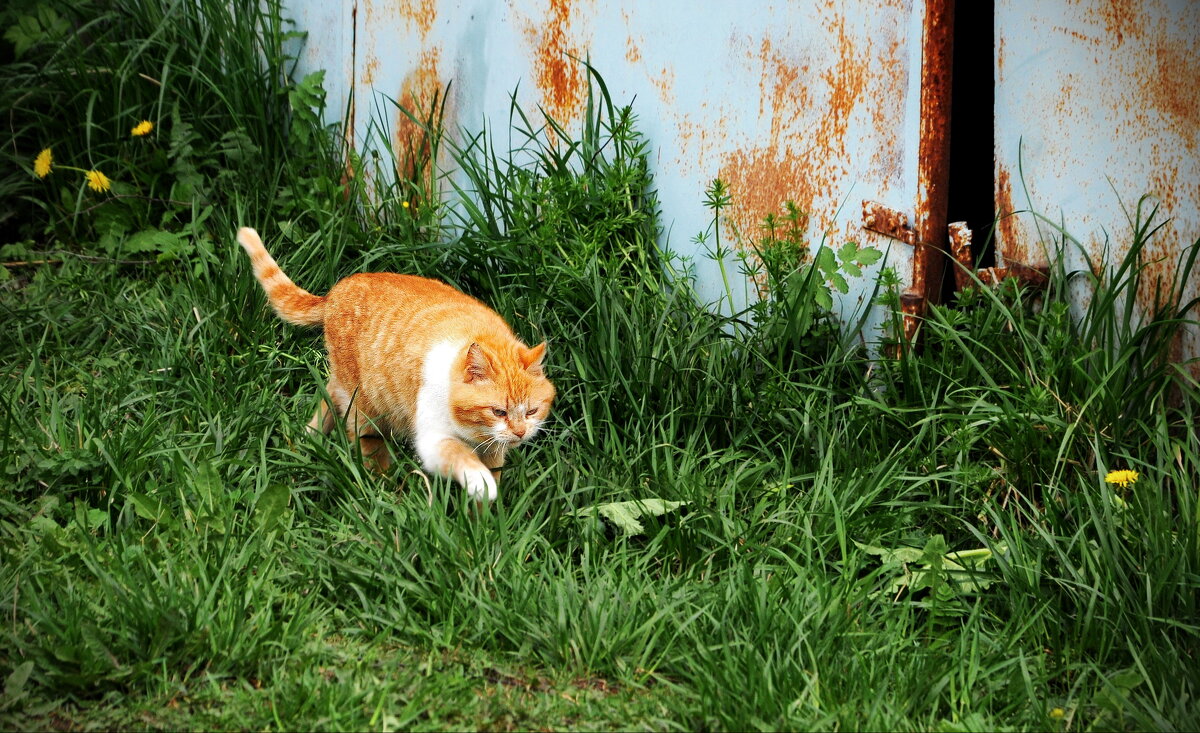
(1098, 103)
(821, 103)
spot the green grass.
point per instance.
(177, 552)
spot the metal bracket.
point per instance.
(888, 222)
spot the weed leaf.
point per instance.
(14, 686)
(207, 484)
(894, 556)
(867, 256)
(935, 566)
(624, 515)
(146, 508)
(270, 506)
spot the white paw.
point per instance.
(481, 485)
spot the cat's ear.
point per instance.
(477, 367)
(532, 359)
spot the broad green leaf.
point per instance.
(847, 252)
(89, 520)
(309, 92)
(1126, 679)
(868, 256)
(145, 507)
(44, 525)
(269, 507)
(851, 269)
(14, 686)
(154, 240)
(624, 515)
(823, 298)
(935, 549)
(976, 558)
(207, 484)
(958, 572)
(893, 556)
(825, 261)
(30, 30)
(840, 283)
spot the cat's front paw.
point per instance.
(480, 484)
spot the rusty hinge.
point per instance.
(895, 224)
(888, 222)
(960, 249)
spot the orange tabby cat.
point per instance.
(410, 356)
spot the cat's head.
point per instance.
(501, 394)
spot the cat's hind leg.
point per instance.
(363, 427)
(326, 416)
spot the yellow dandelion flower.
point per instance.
(97, 181)
(1121, 478)
(404, 204)
(1057, 713)
(142, 128)
(42, 163)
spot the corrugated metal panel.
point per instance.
(820, 103)
(1098, 103)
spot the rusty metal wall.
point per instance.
(819, 103)
(840, 107)
(1098, 103)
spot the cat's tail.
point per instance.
(291, 302)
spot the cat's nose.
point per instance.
(518, 430)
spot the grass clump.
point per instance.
(826, 540)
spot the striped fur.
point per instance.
(291, 302)
(414, 358)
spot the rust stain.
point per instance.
(846, 79)
(664, 82)
(370, 69)
(421, 90)
(1175, 88)
(889, 153)
(912, 310)
(760, 181)
(1000, 59)
(937, 54)
(559, 77)
(633, 53)
(1121, 18)
(1036, 277)
(1078, 35)
(1010, 238)
(420, 13)
(888, 222)
(809, 168)
(960, 249)
(348, 172)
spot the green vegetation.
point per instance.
(817, 540)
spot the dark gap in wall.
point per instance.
(972, 128)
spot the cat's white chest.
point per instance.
(433, 396)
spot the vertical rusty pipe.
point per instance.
(937, 56)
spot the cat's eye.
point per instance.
(499, 413)
(532, 412)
